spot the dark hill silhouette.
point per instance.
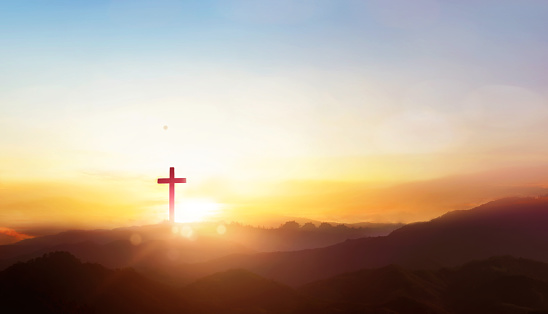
(235, 289)
(378, 286)
(60, 283)
(515, 226)
(496, 285)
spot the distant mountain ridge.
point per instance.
(514, 226)
(153, 247)
(166, 245)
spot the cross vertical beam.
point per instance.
(171, 181)
(172, 196)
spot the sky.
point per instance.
(334, 110)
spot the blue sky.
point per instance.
(500, 39)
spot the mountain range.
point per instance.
(60, 283)
(489, 259)
(514, 226)
(161, 249)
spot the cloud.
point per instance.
(504, 106)
(113, 175)
(415, 200)
(416, 132)
(10, 236)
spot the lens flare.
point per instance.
(221, 229)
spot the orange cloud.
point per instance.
(411, 201)
(9, 236)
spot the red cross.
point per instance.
(171, 180)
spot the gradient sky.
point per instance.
(339, 110)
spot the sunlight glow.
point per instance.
(196, 210)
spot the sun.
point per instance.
(196, 210)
